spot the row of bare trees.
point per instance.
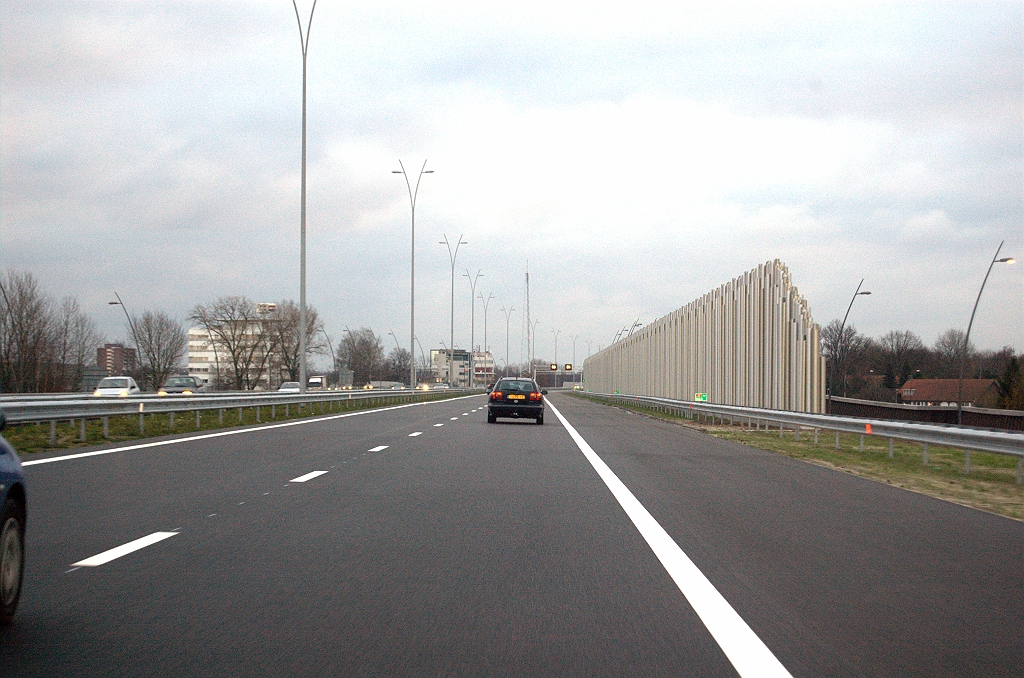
(253, 347)
(874, 369)
(45, 344)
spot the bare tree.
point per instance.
(43, 347)
(362, 352)
(397, 365)
(285, 327)
(73, 341)
(844, 353)
(163, 343)
(243, 334)
(899, 354)
(950, 349)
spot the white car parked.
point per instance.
(289, 387)
(121, 387)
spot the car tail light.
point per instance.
(495, 395)
(535, 396)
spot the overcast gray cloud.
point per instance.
(636, 156)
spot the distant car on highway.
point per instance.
(12, 528)
(442, 385)
(289, 387)
(117, 386)
(181, 384)
(316, 384)
(516, 398)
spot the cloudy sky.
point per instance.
(636, 155)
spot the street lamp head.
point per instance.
(428, 171)
(861, 293)
(1007, 260)
(114, 303)
(397, 172)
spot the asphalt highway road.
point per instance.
(435, 544)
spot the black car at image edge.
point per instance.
(12, 528)
(516, 398)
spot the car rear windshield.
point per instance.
(180, 381)
(516, 385)
(113, 383)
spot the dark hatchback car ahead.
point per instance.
(12, 528)
(516, 399)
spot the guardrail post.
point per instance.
(239, 415)
(967, 462)
(815, 437)
(837, 440)
(861, 442)
(106, 427)
(220, 416)
(1020, 470)
(142, 424)
(286, 410)
(257, 414)
(53, 433)
(171, 424)
(890, 448)
(197, 420)
(82, 436)
(273, 411)
(798, 432)
(781, 428)
(924, 459)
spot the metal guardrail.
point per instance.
(52, 410)
(965, 438)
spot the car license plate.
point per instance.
(517, 397)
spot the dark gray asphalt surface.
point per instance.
(496, 550)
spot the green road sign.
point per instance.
(700, 397)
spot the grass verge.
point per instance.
(991, 486)
(29, 438)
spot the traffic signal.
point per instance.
(568, 367)
(554, 367)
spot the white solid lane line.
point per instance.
(415, 433)
(749, 656)
(123, 550)
(308, 476)
(231, 432)
(379, 448)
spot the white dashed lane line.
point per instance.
(436, 425)
(454, 419)
(123, 550)
(379, 448)
(415, 433)
(308, 476)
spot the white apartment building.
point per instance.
(205, 357)
(483, 368)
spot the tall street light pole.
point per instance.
(574, 337)
(508, 314)
(556, 333)
(842, 327)
(334, 361)
(533, 354)
(304, 42)
(452, 254)
(135, 337)
(412, 264)
(490, 295)
(472, 315)
(967, 338)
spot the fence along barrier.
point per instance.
(37, 410)
(751, 342)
